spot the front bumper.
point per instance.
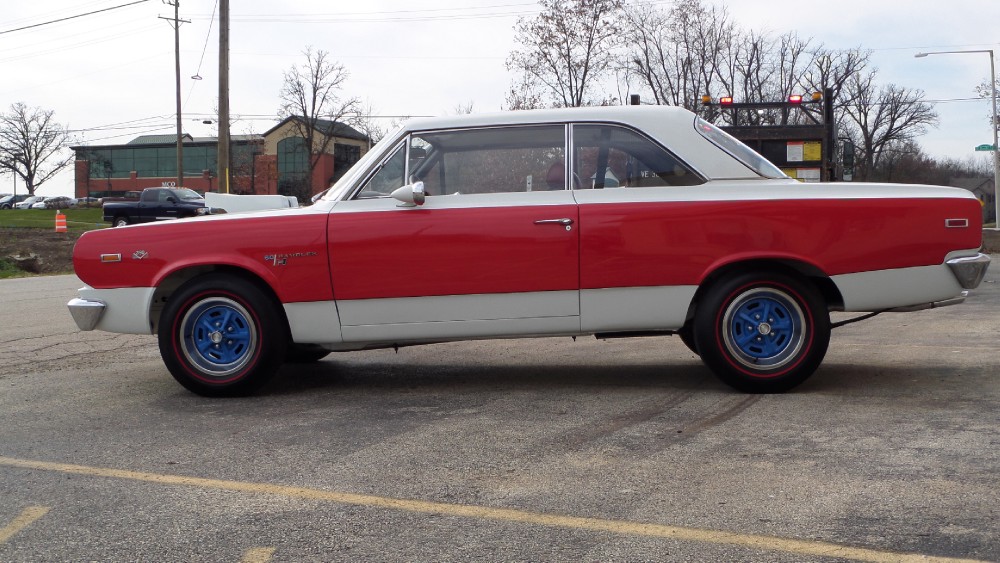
(969, 270)
(86, 314)
(124, 310)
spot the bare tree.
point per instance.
(676, 54)
(568, 48)
(311, 96)
(524, 94)
(833, 69)
(32, 145)
(464, 108)
(884, 116)
(369, 123)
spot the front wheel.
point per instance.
(221, 335)
(762, 333)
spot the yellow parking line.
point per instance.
(23, 520)
(678, 533)
(258, 555)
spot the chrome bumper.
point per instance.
(86, 314)
(969, 270)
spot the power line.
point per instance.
(72, 17)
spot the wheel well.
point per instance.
(174, 281)
(806, 272)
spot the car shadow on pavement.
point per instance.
(334, 375)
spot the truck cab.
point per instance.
(155, 204)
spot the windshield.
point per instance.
(185, 193)
(738, 150)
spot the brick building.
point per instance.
(261, 164)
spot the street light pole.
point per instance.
(993, 126)
(177, 81)
(14, 157)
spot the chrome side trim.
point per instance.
(86, 314)
(970, 270)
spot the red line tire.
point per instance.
(222, 335)
(762, 332)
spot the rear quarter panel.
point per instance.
(680, 236)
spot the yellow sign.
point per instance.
(812, 151)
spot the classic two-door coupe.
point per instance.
(623, 221)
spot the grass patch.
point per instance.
(9, 270)
(85, 219)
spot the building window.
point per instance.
(344, 157)
(293, 160)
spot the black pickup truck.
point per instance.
(155, 204)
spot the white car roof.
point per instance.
(674, 127)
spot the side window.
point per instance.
(389, 176)
(494, 160)
(608, 156)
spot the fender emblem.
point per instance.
(282, 259)
(139, 254)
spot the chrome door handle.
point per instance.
(565, 221)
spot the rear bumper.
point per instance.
(969, 270)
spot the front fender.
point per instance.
(288, 251)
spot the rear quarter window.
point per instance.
(750, 158)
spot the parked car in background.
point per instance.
(88, 202)
(613, 221)
(60, 202)
(28, 202)
(40, 204)
(8, 202)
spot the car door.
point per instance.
(639, 232)
(492, 251)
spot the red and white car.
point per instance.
(623, 221)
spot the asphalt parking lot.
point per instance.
(532, 450)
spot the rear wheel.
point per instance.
(119, 222)
(221, 335)
(762, 332)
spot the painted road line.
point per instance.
(623, 527)
(23, 520)
(258, 555)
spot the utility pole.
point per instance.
(177, 79)
(224, 159)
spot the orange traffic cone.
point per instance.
(60, 222)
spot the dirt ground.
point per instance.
(54, 250)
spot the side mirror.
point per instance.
(171, 199)
(411, 195)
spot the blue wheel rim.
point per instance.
(764, 329)
(218, 337)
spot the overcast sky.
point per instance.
(110, 76)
